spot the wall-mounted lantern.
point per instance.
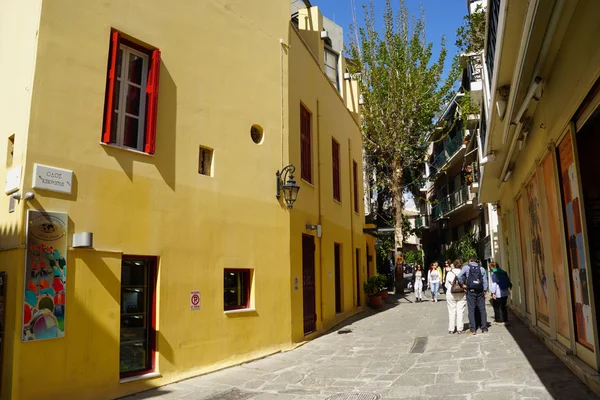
(287, 185)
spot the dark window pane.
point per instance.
(113, 127)
(119, 62)
(136, 64)
(134, 357)
(235, 286)
(130, 134)
(133, 100)
(117, 95)
(133, 300)
(133, 273)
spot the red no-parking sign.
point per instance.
(195, 300)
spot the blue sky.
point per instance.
(442, 17)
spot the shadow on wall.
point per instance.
(166, 137)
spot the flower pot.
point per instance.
(384, 294)
(375, 301)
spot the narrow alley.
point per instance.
(402, 351)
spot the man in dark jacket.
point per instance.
(473, 277)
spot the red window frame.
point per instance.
(335, 161)
(152, 281)
(305, 145)
(245, 276)
(355, 183)
(151, 91)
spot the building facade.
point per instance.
(142, 242)
(541, 85)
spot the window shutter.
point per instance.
(110, 90)
(152, 103)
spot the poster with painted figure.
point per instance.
(45, 276)
(556, 249)
(576, 253)
(537, 252)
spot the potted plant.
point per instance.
(382, 281)
(372, 289)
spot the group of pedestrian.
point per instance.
(465, 286)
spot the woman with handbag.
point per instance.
(455, 299)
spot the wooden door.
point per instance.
(308, 284)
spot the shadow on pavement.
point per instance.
(557, 378)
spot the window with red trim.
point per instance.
(335, 161)
(138, 315)
(131, 95)
(355, 183)
(236, 284)
(305, 145)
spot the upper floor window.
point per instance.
(493, 14)
(305, 145)
(355, 184)
(131, 95)
(331, 67)
(335, 162)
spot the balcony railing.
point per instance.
(452, 202)
(451, 148)
(493, 13)
(422, 221)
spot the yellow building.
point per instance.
(539, 141)
(158, 129)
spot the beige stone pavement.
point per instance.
(369, 357)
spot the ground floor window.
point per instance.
(138, 304)
(236, 283)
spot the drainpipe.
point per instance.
(535, 83)
(320, 210)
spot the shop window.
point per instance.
(131, 95)
(236, 283)
(138, 321)
(205, 160)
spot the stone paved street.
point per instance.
(371, 355)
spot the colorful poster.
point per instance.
(521, 208)
(540, 283)
(576, 252)
(45, 276)
(559, 284)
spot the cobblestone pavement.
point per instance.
(370, 357)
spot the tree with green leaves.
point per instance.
(403, 90)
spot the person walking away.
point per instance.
(433, 279)
(500, 288)
(455, 299)
(447, 269)
(419, 279)
(474, 279)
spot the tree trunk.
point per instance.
(398, 234)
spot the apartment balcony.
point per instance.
(422, 221)
(473, 177)
(462, 198)
(452, 151)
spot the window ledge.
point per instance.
(241, 311)
(148, 375)
(112, 146)
(308, 183)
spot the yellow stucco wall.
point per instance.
(220, 74)
(315, 204)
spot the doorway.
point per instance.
(337, 256)
(357, 277)
(308, 284)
